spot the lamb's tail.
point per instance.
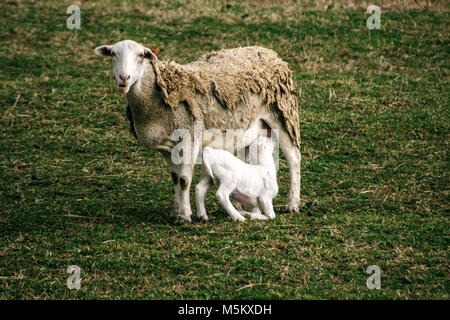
(207, 158)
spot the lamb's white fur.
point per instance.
(254, 186)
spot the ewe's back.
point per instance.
(232, 76)
(237, 60)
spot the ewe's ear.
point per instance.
(150, 54)
(103, 51)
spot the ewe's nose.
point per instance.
(123, 86)
(124, 77)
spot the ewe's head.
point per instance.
(128, 61)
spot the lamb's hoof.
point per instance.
(260, 217)
(254, 215)
(202, 219)
(240, 219)
(202, 216)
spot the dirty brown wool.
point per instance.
(232, 76)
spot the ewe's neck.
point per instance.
(143, 92)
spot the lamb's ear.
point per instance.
(150, 54)
(268, 129)
(103, 51)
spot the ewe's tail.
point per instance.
(207, 158)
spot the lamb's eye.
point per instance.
(140, 58)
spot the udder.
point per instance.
(243, 199)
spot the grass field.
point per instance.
(77, 189)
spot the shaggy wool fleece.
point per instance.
(232, 75)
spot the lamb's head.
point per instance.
(264, 147)
(128, 61)
(265, 141)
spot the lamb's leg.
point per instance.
(201, 189)
(254, 214)
(267, 207)
(223, 196)
(293, 158)
(255, 209)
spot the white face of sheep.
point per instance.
(264, 148)
(265, 144)
(128, 61)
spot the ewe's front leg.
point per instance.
(254, 215)
(182, 178)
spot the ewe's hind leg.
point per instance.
(293, 158)
(201, 189)
(223, 195)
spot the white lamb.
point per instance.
(253, 186)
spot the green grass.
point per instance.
(76, 188)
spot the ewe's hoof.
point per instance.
(293, 208)
(182, 220)
(181, 216)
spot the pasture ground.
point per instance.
(77, 189)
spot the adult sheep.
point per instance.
(228, 89)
